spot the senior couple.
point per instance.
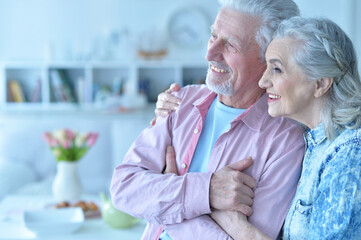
(233, 171)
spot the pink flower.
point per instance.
(66, 144)
(48, 138)
(54, 143)
(69, 134)
(91, 139)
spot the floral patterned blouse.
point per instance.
(327, 204)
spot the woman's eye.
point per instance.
(276, 70)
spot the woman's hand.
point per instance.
(166, 103)
(236, 225)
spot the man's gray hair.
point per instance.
(325, 51)
(270, 12)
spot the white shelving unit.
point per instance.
(87, 78)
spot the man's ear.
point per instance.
(322, 86)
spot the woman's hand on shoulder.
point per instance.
(166, 103)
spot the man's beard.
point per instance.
(219, 86)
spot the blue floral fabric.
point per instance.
(327, 204)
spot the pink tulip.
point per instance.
(69, 134)
(48, 138)
(92, 139)
(66, 144)
(54, 143)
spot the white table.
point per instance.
(12, 224)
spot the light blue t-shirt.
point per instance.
(217, 122)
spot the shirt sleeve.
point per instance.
(336, 213)
(278, 183)
(202, 227)
(139, 188)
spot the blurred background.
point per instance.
(116, 29)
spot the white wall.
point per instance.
(27, 26)
(73, 27)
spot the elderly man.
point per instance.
(213, 128)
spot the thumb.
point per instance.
(170, 162)
(242, 164)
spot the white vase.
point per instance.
(66, 185)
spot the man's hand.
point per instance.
(166, 103)
(170, 163)
(230, 189)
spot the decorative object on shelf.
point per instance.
(63, 90)
(68, 147)
(188, 27)
(152, 45)
(113, 217)
(15, 91)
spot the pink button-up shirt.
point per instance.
(180, 204)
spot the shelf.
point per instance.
(68, 85)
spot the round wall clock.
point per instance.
(188, 27)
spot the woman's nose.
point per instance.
(265, 82)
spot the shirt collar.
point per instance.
(253, 117)
(316, 135)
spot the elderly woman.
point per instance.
(312, 77)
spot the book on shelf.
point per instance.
(36, 94)
(62, 89)
(15, 91)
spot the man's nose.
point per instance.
(215, 51)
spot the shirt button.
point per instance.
(184, 165)
(196, 131)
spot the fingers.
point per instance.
(170, 162)
(165, 105)
(174, 87)
(247, 191)
(231, 189)
(161, 112)
(242, 164)
(167, 102)
(168, 97)
(246, 210)
(247, 180)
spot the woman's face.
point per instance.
(290, 94)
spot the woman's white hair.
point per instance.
(270, 12)
(326, 52)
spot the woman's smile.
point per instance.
(273, 97)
